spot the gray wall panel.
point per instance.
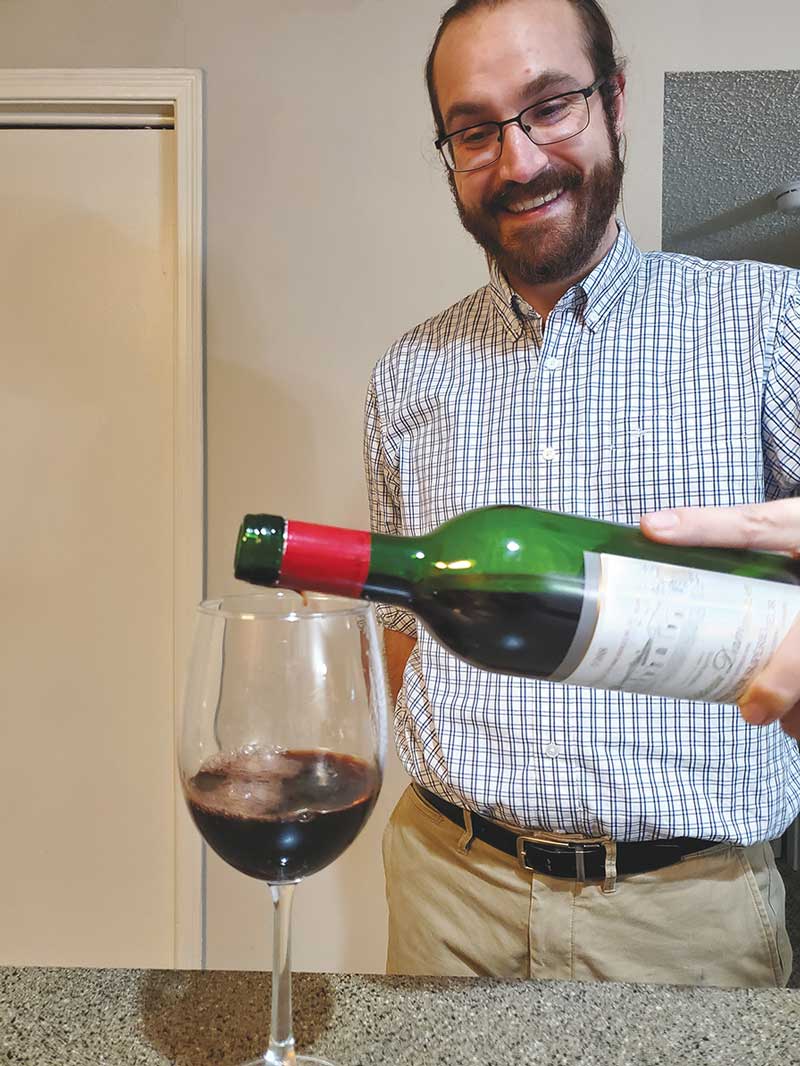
(730, 139)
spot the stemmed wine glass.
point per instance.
(282, 748)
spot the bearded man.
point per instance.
(555, 831)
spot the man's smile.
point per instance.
(533, 204)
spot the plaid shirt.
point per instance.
(658, 381)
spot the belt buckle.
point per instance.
(579, 848)
(523, 840)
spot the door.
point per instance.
(87, 557)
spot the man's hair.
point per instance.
(599, 39)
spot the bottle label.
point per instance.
(675, 631)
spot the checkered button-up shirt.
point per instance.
(659, 380)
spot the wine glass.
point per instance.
(282, 748)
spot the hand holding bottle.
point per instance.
(774, 694)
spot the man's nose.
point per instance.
(521, 160)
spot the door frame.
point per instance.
(88, 97)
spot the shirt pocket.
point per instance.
(646, 465)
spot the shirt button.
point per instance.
(551, 363)
(549, 453)
(552, 750)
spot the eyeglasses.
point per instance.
(556, 119)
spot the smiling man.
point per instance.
(555, 831)
(536, 191)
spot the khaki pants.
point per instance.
(715, 918)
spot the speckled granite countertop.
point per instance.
(52, 1017)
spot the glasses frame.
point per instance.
(586, 93)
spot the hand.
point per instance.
(398, 647)
(774, 694)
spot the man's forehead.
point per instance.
(515, 43)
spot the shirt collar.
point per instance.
(607, 283)
(596, 293)
(508, 304)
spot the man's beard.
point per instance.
(561, 249)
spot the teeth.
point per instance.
(529, 205)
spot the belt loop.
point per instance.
(466, 838)
(610, 883)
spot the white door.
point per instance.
(87, 370)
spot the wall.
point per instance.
(330, 230)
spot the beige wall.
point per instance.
(330, 231)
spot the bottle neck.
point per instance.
(325, 559)
(345, 562)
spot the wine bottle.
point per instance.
(553, 596)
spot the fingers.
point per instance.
(773, 526)
(774, 695)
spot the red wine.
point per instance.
(281, 815)
(536, 628)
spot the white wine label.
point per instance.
(674, 631)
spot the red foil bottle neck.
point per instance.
(325, 559)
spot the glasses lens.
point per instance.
(473, 148)
(556, 120)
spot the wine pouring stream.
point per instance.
(282, 749)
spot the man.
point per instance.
(555, 831)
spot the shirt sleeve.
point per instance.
(781, 412)
(383, 490)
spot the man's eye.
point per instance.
(475, 138)
(552, 111)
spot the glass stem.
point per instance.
(281, 1037)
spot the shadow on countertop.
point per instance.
(197, 1018)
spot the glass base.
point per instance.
(301, 1060)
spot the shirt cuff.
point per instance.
(396, 618)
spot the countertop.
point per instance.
(74, 1017)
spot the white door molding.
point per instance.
(121, 97)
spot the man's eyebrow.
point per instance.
(556, 80)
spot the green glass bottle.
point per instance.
(553, 596)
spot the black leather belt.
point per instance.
(573, 860)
